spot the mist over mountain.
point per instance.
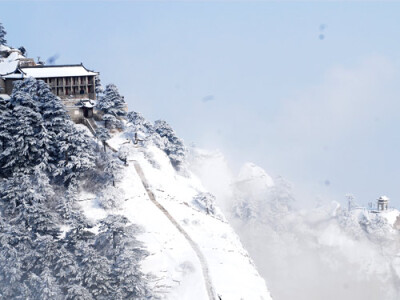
(326, 252)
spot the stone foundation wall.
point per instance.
(2, 86)
(9, 85)
(75, 113)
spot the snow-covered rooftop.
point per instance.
(10, 63)
(86, 103)
(52, 71)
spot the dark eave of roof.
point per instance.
(53, 66)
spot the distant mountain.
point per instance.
(326, 252)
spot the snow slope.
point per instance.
(174, 260)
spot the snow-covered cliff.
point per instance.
(194, 252)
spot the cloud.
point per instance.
(208, 98)
(342, 104)
(318, 253)
(344, 129)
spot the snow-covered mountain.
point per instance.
(131, 222)
(194, 252)
(77, 222)
(120, 208)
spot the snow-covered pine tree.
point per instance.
(28, 97)
(104, 104)
(3, 34)
(11, 261)
(136, 119)
(112, 168)
(123, 153)
(103, 135)
(112, 104)
(65, 268)
(5, 133)
(24, 201)
(56, 120)
(49, 105)
(112, 231)
(30, 230)
(98, 87)
(170, 143)
(115, 103)
(29, 86)
(96, 273)
(78, 292)
(23, 50)
(67, 151)
(48, 287)
(78, 155)
(116, 241)
(28, 146)
(139, 128)
(139, 123)
(110, 121)
(129, 280)
(65, 204)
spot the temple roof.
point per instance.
(51, 72)
(86, 103)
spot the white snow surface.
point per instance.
(5, 96)
(390, 215)
(254, 173)
(177, 269)
(9, 65)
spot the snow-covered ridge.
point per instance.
(173, 261)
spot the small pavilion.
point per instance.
(382, 203)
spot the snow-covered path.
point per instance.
(207, 280)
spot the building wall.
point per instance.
(26, 62)
(9, 84)
(68, 89)
(78, 87)
(75, 113)
(2, 86)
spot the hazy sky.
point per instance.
(309, 91)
